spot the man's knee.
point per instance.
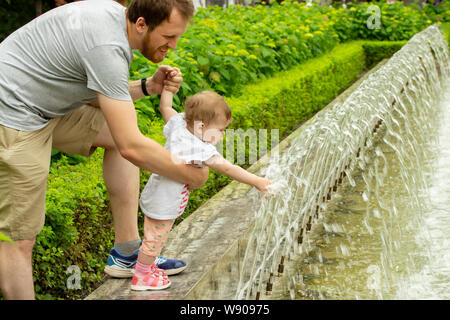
(24, 247)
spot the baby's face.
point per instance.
(214, 131)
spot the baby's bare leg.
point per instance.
(155, 236)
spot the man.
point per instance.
(49, 68)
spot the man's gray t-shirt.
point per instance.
(60, 60)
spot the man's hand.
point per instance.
(201, 176)
(165, 76)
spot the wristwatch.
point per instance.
(144, 86)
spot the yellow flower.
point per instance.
(252, 56)
(243, 52)
(304, 28)
(231, 46)
(309, 35)
(215, 76)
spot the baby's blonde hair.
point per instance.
(206, 106)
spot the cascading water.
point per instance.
(388, 118)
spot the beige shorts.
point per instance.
(24, 167)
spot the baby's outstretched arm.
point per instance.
(165, 106)
(221, 165)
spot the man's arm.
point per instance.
(142, 151)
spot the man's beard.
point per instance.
(149, 52)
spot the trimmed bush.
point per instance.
(293, 96)
(379, 50)
(445, 27)
(78, 229)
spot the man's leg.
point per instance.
(24, 167)
(122, 182)
(80, 133)
(16, 279)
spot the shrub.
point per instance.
(378, 50)
(397, 21)
(446, 30)
(437, 13)
(78, 229)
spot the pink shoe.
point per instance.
(156, 279)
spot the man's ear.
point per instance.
(141, 25)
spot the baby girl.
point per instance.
(191, 137)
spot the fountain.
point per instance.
(252, 241)
(339, 141)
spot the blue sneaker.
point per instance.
(119, 266)
(171, 266)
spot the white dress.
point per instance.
(166, 199)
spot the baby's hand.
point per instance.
(173, 81)
(263, 186)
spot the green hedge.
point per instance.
(378, 50)
(445, 27)
(294, 95)
(78, 229)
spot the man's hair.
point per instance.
(156, 11)
(206, 106)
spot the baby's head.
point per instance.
(207, 115)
